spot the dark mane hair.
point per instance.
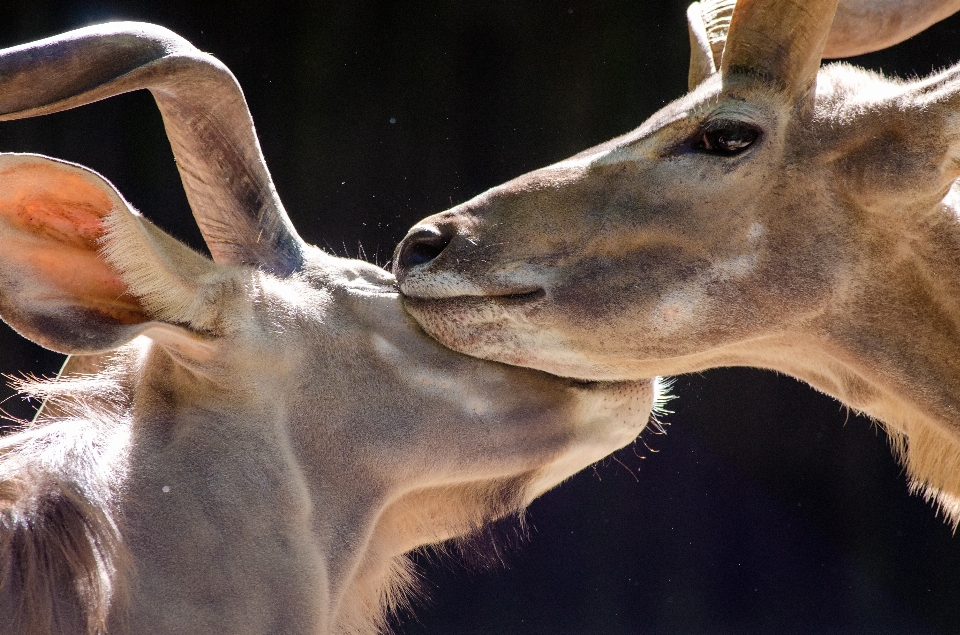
(61, 554)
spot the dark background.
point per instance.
(766, 508)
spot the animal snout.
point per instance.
(421, 246)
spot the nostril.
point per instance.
(420, 247)
(421, 253)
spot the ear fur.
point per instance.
(82, 272)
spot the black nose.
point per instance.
(421, 246)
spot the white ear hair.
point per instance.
(82, 272)
(172, 282)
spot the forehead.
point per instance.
(678, 109)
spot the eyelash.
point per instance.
(725, 137)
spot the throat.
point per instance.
(914, 398)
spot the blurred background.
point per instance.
(765, 508)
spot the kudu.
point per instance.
(248, 444)
(780, 216)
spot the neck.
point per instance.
(889, 346)
(218, 518)
(285, 534)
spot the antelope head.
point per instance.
(287, 432)
(780, 215)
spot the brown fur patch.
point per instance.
(57, 551)
(62, 561)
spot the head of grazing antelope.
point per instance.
(780, 215)
(262, 435)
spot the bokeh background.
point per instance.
(766, 508)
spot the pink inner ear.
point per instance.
(54, 217)
(53, 204)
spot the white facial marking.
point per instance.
(685, 306)
(733, 269)
(679, 307)
(521, 275)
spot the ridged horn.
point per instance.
(205, 115)
(859, 26)
(863, 26)
(708, 23)
(780, 41)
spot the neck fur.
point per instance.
(889, 347)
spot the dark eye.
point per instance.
(726, 138)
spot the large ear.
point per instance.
(204, 113)
(901, 153)
(82, 272)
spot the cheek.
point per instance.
(679, 311)
(656, 302)
(602, 289)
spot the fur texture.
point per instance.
(251, 444)
(824, 243)
(62, 559)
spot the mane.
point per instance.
(931, 457)
(61, 555)
(387, 587)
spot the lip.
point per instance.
(604, 384)
(521, 297)
(512, 298)
(483, 326)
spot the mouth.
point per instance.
(511, 325)
(510, 298)
(515, 298)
